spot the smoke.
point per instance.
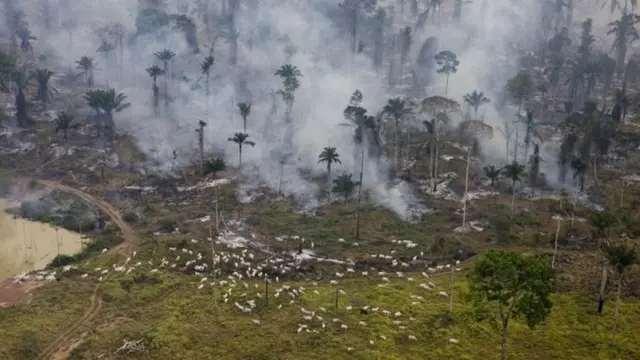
(322, 52)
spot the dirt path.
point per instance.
(61, 346)
(128, 234)
(56, 348)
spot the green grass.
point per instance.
(178, 321)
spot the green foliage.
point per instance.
(344, 185)
(131, 217)
(518, 286)
(448, 62)
(215, 165)
(521, 86)
(8, 68)
(620, 255)
(149, 20)
(61, 260)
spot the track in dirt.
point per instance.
(57, 348)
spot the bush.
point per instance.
(61, 260)
(130, 217)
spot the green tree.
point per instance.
(448, 62)
(397, 109)
(245, 110)
(329, 156)
(64, 123)
(45, 91)
(87, 66)
(165, 56)
(241, 139)
(624, 32)
(513, 171)
(344, 185)
(492, 173)
(476, 100)
(214, 166)
(517, 286)
(601, 222)
(106, 103)
(621, 256)
(155, 71)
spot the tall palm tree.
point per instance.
(507, 130)
(245, 110)
(513, 171)
(438, 106)
(621, 256)
(241, 139)
(205, 68)
(476, 100)
(492, 173)
(155, 71)
(330, 156)
(397, 109)
(344, 185)
(64, 123)
(87, 66)
(200, 132)
(107, 102)
(106, 48)
(534, 169)
(579, 167)
(45, 91)
(165, 56)
(289, 75)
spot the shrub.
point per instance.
(130, 217)
(60, 260)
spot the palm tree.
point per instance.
(205, 68)
(513, 171)
(43, 76)
(621, 256)
(397, 110)
(520, 87)
(86, 65)
(106, 48)
(530, 130)
(241, 139)
(25, 36)
(64, 123)
(476, 100)
(625, 33)
(579, 167)
(329, 155)
(155, 71)
(108, 102)
(344, 185)
(245, 110)
(492, 173)
(165, 56)
(213, 166)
